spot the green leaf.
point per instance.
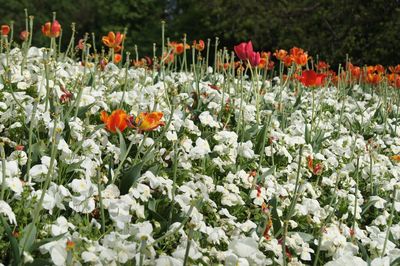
(367, 206)
(28, 236)
(261, 138)
(73, 166)
(38, 150)
(298, 99)
(122, 146)
(307, 135)
(396, 262)
(83, 110)
(364, 253)
(44, 241)
(276, 221)
(251, 132)
(129, 177)
(13, 242)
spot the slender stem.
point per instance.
(174, 173)
(355, 198)
(142, 249)
(389, 222)
(189, 242)
(3, 168)
(31, 125)
(292, 206)
(103, 224)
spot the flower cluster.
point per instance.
(102, 164)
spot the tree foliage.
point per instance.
(365, 30)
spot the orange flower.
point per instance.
(287, 60)
(70, 245)
(395, 158)
(298, 56)
(280, 54)
(199, 46)
(178, 48)
(51, 30)
(117, 58)
(148, 121)
(395, 69)
(113, 40)
(5, 29)
(322, 66)
(118, 119)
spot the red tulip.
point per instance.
(311, 79)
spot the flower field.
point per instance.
(196, 155)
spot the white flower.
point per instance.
(20, 156)
(246, 150)
(6, 210)
(200, 150)
(57, 250)
(171, 136)
(38, 172)
(168, 261)
(246, 248)
(15, 185)
(207, 120)
(347, 260)
(61, 226)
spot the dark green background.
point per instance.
(369, 31)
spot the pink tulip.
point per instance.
(240, 50)
(254, 59)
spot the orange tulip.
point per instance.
(5, 29)
(280, 54)
(118, 119)
(51, 30)
(113, 40)
(148, 121)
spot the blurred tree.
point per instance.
(365, 30)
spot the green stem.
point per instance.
(389, 223)
(103, 224)
(189, 242)
(3, 168)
